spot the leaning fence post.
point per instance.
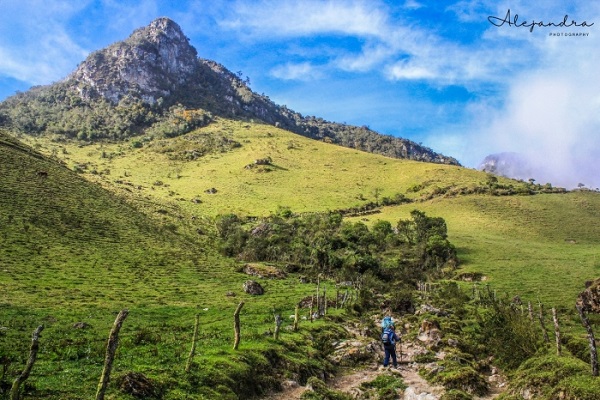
(591, 339)
(556, 331)
(530, 311)
(111, 349)
(324, 300)
(277, 325)
(188, 366)
(14, 391)
(296, 317)
(236, 325)
(318, 298)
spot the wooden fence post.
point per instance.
(530, 311)
(337, 297)
(591, 339)
(345, 298)
(556, 331)
(324, 301)
(541, 318)
(14, 391)
(312, 300)
(111, 349)
(236, 325)
(296, 317)
(318, 298)
(277, 325)
(188, 366)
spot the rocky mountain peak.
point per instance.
(155, 72)
(153, 62)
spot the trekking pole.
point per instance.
(400, 344)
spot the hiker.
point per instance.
(389, 339)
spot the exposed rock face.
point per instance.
(157, 62)
(430, 333)
(411, 394)
(253, 287)
(589, 299)
(149, 64)
(264, 271)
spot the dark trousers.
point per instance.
(390, 351)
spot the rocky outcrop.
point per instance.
(589, 299)
(253, 287)
(157, 66)
(430, 334)
(411, 394)
(264, 271)
(152, 62)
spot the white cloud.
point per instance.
(302, 71)
(399, 49)
(549, 112)
(124, 17)
(412, 5)
(408, 70)
(43, 49)
(371, 56)
(289, 19)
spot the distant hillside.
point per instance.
(153, 84)
(51, 216)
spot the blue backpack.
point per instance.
(387, 337)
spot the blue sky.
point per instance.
(436, 72)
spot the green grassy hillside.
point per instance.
(305, 175)
(73, 252)
(143, 239)
(539, 246)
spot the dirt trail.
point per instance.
(349, 381)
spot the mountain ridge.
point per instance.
(152, 78)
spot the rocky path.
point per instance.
(349, 381)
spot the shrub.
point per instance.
(547, 376)
(320, 391)
(385, 387)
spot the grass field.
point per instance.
(540, 247)
(305, 175)
(73, 251)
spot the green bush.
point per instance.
(320, 391)
(548, 376)
(384, 387)
(454, 394)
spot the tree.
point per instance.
(376, 194)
